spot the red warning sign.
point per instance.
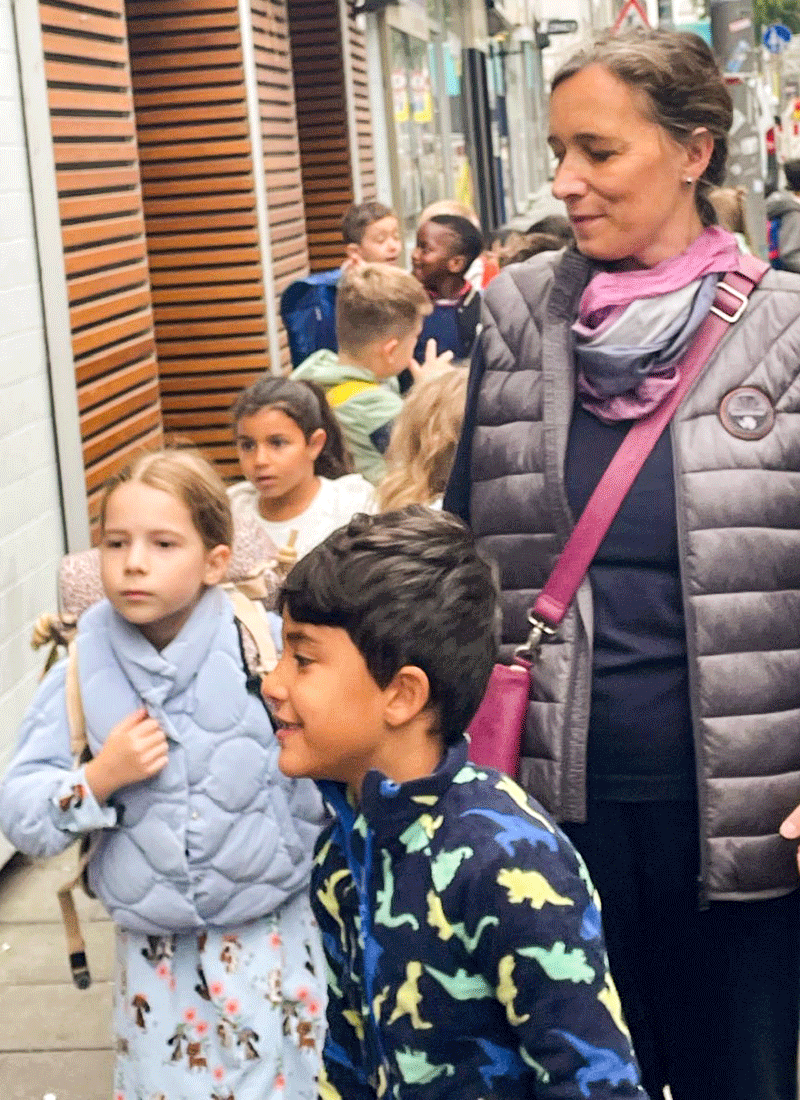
(632, 15)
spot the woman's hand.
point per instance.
(790, 828)
(431, 363)
(136, 749)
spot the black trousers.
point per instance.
(712, 998)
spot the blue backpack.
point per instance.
(773, 241)
(308, 312)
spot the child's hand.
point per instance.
(135, 749)
(431, 363)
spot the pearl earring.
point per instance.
(689, 180)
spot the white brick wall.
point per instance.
(31, 540)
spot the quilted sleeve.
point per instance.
(45, 802)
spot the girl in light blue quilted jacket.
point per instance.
(205, 849)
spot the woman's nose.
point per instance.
(567, 180)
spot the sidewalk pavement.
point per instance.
(54, 1038)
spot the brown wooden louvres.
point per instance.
(363, 114)
(280, 144)
(97, 172)
(200, 211)
(322, 124)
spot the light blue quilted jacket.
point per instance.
(220, 836)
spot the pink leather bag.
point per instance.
(496, 730)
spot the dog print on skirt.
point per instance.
(222, 1014)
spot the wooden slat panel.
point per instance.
(279, 133)
(105, 257)
(200, 214)
(317, 60)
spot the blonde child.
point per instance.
(730, 205)
(379, 315)
(205, 848)
(424, 440)
(299, 474)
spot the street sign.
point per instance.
(777, 37)
(632, 15)
(561, 26)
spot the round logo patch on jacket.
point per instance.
(747, 413)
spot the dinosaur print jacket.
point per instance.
(464, 944)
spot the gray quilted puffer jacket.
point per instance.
(738, 508)
(220, 836)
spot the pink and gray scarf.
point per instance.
(634, 326)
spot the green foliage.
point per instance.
(776, 11)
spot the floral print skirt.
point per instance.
(222, 1014)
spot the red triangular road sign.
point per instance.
(632, 14)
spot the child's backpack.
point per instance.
(308, 312)
(251, 591)
(773, 242)
(468, 321)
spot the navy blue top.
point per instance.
(640, 731)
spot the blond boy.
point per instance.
(379, 315)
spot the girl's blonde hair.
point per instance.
(729, 203)
(424, 439)
(191, 479)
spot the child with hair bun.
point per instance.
(204, 851)
(424, 440)
(298, 470)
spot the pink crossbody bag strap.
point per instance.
(573, 563)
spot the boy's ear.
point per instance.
(457, 263)
(216, 564)
(353, 251)
(407, 696)
(387, 348)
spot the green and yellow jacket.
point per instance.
(365, 408)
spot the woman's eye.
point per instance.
(600, 154)
(246, 445)
(302, 662)
(112, 544)
(164, 544)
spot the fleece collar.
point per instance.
(388, 808)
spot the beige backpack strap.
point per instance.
(75, 716)
(69, 914)
(253, 618)
(72, 926)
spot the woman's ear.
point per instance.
(216, 564)
(406, 696)
(699, 150)
(316, 441)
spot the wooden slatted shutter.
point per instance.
(363, 116)
(280, 143)
(322, 126)
(200, 211)
(97, 173)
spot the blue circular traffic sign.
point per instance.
(777, 37)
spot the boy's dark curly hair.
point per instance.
(410, 588)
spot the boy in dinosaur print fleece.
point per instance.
(463, 935)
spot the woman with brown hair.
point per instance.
(663, 725)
